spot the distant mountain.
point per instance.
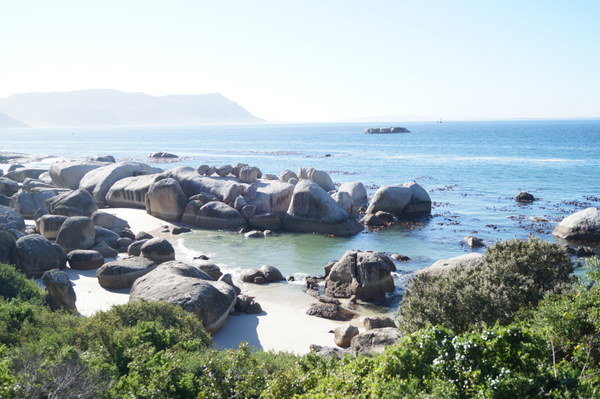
(94, 108)
(7, 121)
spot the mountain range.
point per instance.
(98, 108)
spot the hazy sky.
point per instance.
(321, 60)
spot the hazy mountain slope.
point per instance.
(6, 121)
(115, 108)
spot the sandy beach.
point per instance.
(282, 326)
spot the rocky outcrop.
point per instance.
(407, 201)
(581, 226)
(99, 181)
(186, 286)
(77, 232)
(469, 260)
(375, 341)
(270, 196)
(122, 273)
(312, 210)
(61, 294)
(32, 205)
(358, 194)
(69, 174)
(264, 274)
(224, 189)
(166, 200)
(36, 255)
(364, 274)
(213, 215)
(524, 197)
(130, 192)
(247, 304)
(11, 219)
(473, 242)
(384, 130)
(75, 203)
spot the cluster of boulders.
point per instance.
(379, 332)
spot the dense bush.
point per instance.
(14, 284)
(156, 350)
(514, 274)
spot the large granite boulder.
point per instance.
(122, 273)
(61, 294)
(286, 175)
(225, 189)
(312, 210)
(20, 174)
(130, 192)
(11, 219)
(7, 247)
(107, 236)
(441, 266)
(185, 286)
(85, 259)
(213, 215)
(36, 255)
(343, 335)
(69, 174)
(248, 174)
(318, 176)
(166, 200)
(357, 192)
(49, 225)
(364, 274)
(374, 341)
(33, 204)
(110, 221)
(8, 187)
(158, 250)
(74, 203)
(406, 201)
(271, 196)
(99, 181)
(77, 232)
(581, 226)
(331, 311)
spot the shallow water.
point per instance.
(472, 171)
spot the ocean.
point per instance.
(472, 171)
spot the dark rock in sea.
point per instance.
(163, 155)
(474, 242)
(524, 197)
(378, 130)
(180, 230)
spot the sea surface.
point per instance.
(472, 171)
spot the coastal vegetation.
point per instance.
(537, 335)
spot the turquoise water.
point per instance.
(471, 169)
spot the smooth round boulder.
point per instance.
(248, 174)
(158, 249)
(35, 255)
(121, 273)
(343, 335)
(182, 285)
(441, 266)
(135, 248)
(581, 226)
(165, 200)
(106, 250)
(286, 175)
(212, 270)
(271, 273)
(123, 243)
(85, 259)
(110, 221)
(224, 170)
(69, 174)
(107, 236)
(142, 235)
(74, 203)
(250, 275)
(8, 187)
(372, 323)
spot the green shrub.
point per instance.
(515, 274)
(14, 284)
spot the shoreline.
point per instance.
(283, 325)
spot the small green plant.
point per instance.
(15, 285)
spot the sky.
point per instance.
(317, 60)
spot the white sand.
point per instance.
(283, 325)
